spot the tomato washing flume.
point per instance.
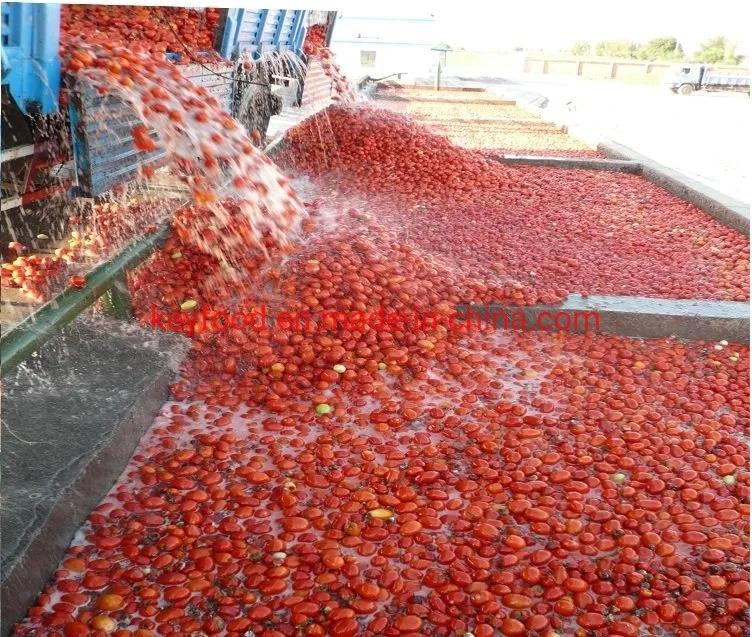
(418, 481)
(557, 231)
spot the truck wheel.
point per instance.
(686, 89)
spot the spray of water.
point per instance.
(241, 203)
(242, 196)
(256, 102)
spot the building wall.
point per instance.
(379, 45)
(389, 59)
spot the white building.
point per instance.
(368, 43)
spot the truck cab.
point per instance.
(684, 78)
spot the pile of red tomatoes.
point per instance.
(475, 120)
(413, 481)
(315, 39)
(185, 31)
(558, 231)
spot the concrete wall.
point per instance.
(635, 71)
(604, 69)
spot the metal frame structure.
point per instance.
(248, 30)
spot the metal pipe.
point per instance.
(30, 334)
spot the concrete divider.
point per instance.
(452, 89)
(611, 165)
(705, 320)
(509, 121)
(440, 100)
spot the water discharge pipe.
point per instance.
(373, 80)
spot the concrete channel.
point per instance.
(631, 316)
(64, 446)
(729, 211)
(697, 319)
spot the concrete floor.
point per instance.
(706, 136)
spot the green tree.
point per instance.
(667, 48)
(718, 50)
(581, 47)
(623, 49)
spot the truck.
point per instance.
(685, 79)
(51, 153)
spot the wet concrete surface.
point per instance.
(72, 416)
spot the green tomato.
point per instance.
(323, 408)
(340, 369)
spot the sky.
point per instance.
(553, 24)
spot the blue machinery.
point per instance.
(30, 38)
(104, 155)
(258, 31)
